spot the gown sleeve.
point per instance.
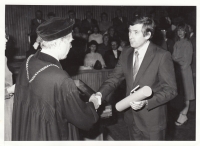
(80, 114)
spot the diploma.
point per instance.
(138, 95)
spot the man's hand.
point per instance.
(136, 105)
(11, 89)
(96, 99)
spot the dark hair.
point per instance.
(148, 25)
(185, 28)
(95, 26)
(104, 13)
(105, 35)
(93, 42)
(114, 40)
(39, 11)
(51, 14)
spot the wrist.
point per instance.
(146, 102)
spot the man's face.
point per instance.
(71, 15)
(114, 45)
(136, 36)
(38, 15)
(65, 46)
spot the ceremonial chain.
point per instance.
(45, 67)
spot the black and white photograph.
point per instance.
(100, 74)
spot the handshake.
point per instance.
(96, 99)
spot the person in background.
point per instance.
(166, 43)
(103, 47)
(47, 106)
(9, 98)
(88, 23)
(32, 32)
(72, 17)
(51, 15)
(182, 56)
(111, 56)
(91, 57)
(96, 35)
(143, 64)
(120, 23)
(112, 33)
(104, 24)
(123, 44)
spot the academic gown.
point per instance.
(49, 107)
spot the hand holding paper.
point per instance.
(138, 95)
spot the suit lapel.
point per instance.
(130, 65)
(145, 63)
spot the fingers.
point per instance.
(137, 105)
(94, 100)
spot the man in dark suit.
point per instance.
(112, 56)
(32, 32)
(88, 23)
(144, 64)
(120, 23)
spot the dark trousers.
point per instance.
(136, 134)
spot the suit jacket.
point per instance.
(110, 59)
(157, 72)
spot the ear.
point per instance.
(148, 35)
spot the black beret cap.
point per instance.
(54, 28)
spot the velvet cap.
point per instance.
(54, 28)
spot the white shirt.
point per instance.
(115, 53)
(142, 51)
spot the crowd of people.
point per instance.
(162, 53)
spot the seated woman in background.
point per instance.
(96, 35)
(104, 24)
(182, 56)
(91, 57)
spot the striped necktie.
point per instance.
(136, 65)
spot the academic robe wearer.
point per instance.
(49, 107)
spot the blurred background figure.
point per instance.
(88, 23)
(92, 56)
(9, 98)
(182, 56)
(123, 44)
(111, 56)
(32, 32)
(104, 24)
(72, 17)
(112, 34)
(120, 23)
(96, 35)
(103, 47)
(51, 15)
